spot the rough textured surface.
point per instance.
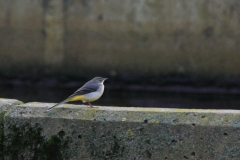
(146, 37)
(77, 132)
(5, 104)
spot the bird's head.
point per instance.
(99, 79)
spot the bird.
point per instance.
(89, 92)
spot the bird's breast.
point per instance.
(94, 95)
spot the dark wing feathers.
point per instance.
(85, 90)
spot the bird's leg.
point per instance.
(90, 105)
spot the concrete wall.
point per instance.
(146, 37)
(76, 132)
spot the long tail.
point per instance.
(57, 105)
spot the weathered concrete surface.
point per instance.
(5, 104)
(77, 132)
(146, 37)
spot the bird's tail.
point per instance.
(57, 105)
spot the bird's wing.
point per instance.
(85, 90)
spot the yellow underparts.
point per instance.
(76, 98)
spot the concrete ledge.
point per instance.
(5, 104)
(77, 132)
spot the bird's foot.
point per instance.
(90, 105)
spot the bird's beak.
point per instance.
(105, 79)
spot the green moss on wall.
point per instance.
(106, 147)
(1, 134)
(27, 142)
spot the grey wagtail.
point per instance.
(90, 91)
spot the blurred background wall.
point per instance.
(120, 38)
